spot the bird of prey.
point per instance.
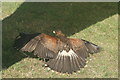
(66, 55)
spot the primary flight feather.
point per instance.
(65, 55)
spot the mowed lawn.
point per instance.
(95, 22)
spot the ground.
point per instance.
(95, 22)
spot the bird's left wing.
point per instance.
(47, 47)
(42, 45)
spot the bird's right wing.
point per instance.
(83, 47)
(79, 47)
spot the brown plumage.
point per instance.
(65, 55)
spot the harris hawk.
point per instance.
(66, 55)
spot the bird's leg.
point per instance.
(45, 60)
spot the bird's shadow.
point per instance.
(41, 17)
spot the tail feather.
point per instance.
(92, 48)
(66, 64)
(22, 39)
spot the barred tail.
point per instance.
(66, 62)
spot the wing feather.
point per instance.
(42, 45)
(79, 47)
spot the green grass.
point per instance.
(9, 8)
(95, 22)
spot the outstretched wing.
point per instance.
(42, 45)
(91, 47)
(79, 47)
(83, 47)
(47, 46)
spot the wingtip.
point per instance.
(99, 49)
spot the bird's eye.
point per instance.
(53, 31)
